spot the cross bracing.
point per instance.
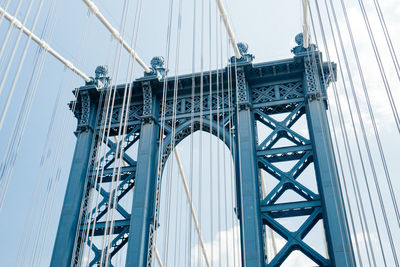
(266, 89)
(280, 100)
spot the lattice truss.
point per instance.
(284, 153)
(186, 122)
(104, 167)
(278, 108)
(193, 114)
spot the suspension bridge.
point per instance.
(199, 133)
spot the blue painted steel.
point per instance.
(68, 225)
(248, 180)
(292, 87)
(338, 235)
(141, 226)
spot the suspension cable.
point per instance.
(189, 199)
(368, 151)
(228, 28)
(192, 126)
(21, 63)
(10, 28)
(16, 23)
(210, 97)
(116, 34)
(341, 165)
(355, 184)
(388, 38)
(305, 24)
(158, 257)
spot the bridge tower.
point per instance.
(292, 88)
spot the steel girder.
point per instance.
(259, 92)
(106, 172)
(300, 151)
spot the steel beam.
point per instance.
(68, 225)
(262, 90)
(144, 192)
(248, 181)
(337, 231)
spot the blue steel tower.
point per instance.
(292, 88)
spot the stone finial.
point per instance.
(157, 62)
(243, 48)
(101, 71)
(300, 48)
(157, 66)
(102, 79)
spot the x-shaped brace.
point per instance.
(295, 239)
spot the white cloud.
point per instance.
(220, 257)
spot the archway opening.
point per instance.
(209, 173)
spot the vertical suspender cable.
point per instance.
(5, 179)
(305, 24)
(341, 167)
(355, 184)
(369, 158)
(107, 235)
(338, 202)
(381, 69)
(123, 122)
(376, 136)
(5, 8)
(161, 160)
(210, 104)
(175, 99)
(116, 34)
(388, 38)
(19, 128)
(44, 45)
(191, 128)
(11, 92)
(232, 148)
(196, 223)
(201, 121)
(10, 27)
(218, 180)
(223, 99)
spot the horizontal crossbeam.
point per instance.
(110, 171)
(293, 209)
(284, 153)
(119, 226)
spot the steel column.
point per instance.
(144, 191)
(67, 228)
(335, 223)
(248, 187)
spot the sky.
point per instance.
(43, 151)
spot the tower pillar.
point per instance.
(142, 214)
(248, 181)
(67, 227)
(335, 223)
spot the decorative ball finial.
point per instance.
(243, 47)
(157, 62)
(299, 39)
(101, 71)
(300, 49)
